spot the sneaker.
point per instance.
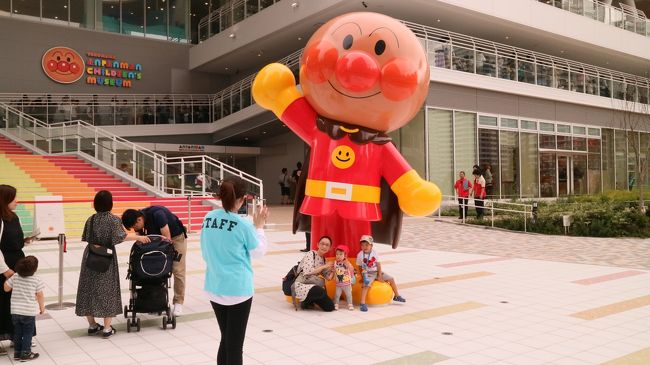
(91, 330)
(363, 308)
(16, 355)
(399, 299)
(178, 309)
(350, 307)
(29, 356)
(336, 307)
(33, 343)
(110, 332)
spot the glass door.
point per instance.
(563, 175)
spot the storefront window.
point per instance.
(643, 152)
(579, 130)
(547, 141)
(620, 147)
(593, 171)
(547, 174)
(564, 143)
(579, 174)
(579, 144)
(108, 16)
(55, 11)
(529, 165)
(465, 142)
(609, 177)
(156, 19)
(441, 149)
(178, 20)
(27, 8)
(488, 155)
(509, 164)
(133, 17)
(412, 143)
(82, 14)
(5, 6)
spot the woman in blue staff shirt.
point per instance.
(228, 241)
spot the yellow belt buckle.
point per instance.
(338, 191)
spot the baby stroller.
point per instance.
(150, 269)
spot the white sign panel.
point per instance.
(48, 217)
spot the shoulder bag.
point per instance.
(99, 257)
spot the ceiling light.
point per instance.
(226, 68)
(507, 37)
(263, 132)
(56, 17)
(299, 38)
(438, 20)
(65, 6)
(245, 138)
(294, 5)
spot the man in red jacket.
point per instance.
(462, 187)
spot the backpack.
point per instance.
(290, 278)
(153, 260)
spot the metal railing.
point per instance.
(625, 17)
(230, 14)
(500, 207)
(143, 165)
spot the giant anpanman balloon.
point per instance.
(362, 75)
(63, 65)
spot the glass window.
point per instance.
(594, 132)
(592, 85)
(579, 174)
(133, 17)
(509, 164)
(198, 10)
(579, 130)
(465, 143)
(82, 14)
(156, 19)
(605, 87)
(5, 6)
(488, 156)
(563, 128)
(561, 78)
(643, 94)
(579, 144)
(529, 165)
(619, 90)
(178, 23)
(462, 59)
(486, 64)
(547, 174)
(412, 143)
(441, 149)
(509, 123)
(620, 143)
(609, 177)
(55, 10)
(643, 154)
(439, 53)
(525, 71)
(544, 75)
(27, 8)
(546, 127)
(506, 68)
(528, 124)
(564, 143)
(108, 16)
(547, 141)
(593, 145)
(489, 121)
(577, 80)
(593, 171)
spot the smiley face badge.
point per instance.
(63, 65)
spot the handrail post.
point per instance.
(205, 175)
(525, 218)
(189, 213)
(492, 209)
(60, 305)
(182, 176)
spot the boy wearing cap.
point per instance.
(344, 274)
(368, 261)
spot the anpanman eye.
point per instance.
(347, 41)
(380, 47)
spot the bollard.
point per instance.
(60, 305)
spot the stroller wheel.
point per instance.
(137, 324)
(128, 325)
(126, 311)
(174, 322)
(164, 322)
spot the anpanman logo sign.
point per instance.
(63, 65)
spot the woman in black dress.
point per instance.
(12, 242)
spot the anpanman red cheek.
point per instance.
(399, 79)
(319, 62)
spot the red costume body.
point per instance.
(338, 213)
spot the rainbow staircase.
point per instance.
(77, 181)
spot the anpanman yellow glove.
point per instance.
(416, 196)
(274, 88)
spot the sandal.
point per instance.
(110, 333)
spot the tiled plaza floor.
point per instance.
(474, 296)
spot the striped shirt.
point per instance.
(23, 294)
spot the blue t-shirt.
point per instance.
(156, 217)
(226, 242)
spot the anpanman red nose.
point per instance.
(64, 66)
(357, 71)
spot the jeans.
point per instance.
(232, 320)
(24, 327)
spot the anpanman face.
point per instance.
(63, 65)
(365, 69)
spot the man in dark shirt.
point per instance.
(159, 220)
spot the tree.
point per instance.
(634, 119)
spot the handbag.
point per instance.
(99, 257)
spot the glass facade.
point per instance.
(441, 149)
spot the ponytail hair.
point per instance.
(231, 189)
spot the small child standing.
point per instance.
(368, 261)
(26, 301)
(344, 274)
